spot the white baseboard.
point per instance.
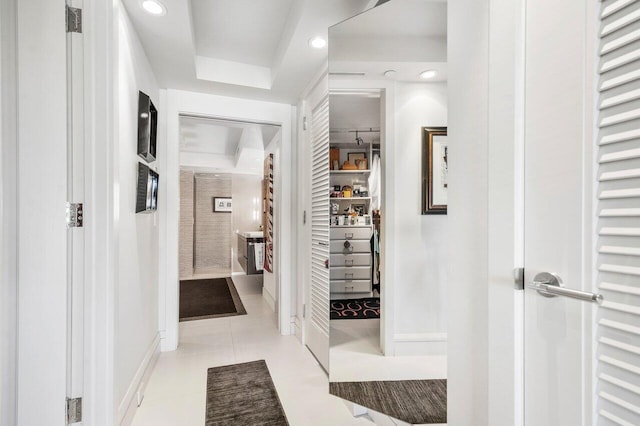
(269, 299)
(412, 344)
(129, 404)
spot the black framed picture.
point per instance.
(435, 170)
(222, 205)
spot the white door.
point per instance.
(582, 210)
(558, 212)
(50, 158)
(317, 316)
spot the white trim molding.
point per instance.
(135, 392)
(177, 103)
(269, 299)
(414, 344)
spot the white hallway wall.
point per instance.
(420, 272)
(136, 328)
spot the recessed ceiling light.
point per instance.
(425, 75)
(390, 73)
(153, 7)
(317, 42)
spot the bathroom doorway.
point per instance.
(226, 231)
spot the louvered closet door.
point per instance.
(618, 320)
(318, 311)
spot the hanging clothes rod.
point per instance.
(370, 130)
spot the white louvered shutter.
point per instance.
(318, 340)
(618, 319)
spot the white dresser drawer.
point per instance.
(350, 273)
(362, 259)
(350, 295)
(357, 286)
(350, 246)
(351, 233)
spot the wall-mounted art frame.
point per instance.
(147, 192)
(222, 205)
(147, 128)
(435, 170)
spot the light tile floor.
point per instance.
(355, 356)
(175, 394)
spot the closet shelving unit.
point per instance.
(350, 247)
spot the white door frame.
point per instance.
(8, 213)
(174, 103)
(388, 203)
(100, 66)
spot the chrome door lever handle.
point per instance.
(549, 285)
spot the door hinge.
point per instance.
(304, 123)
(518, 278)
(304, 310)
(74, 215)
(304, 217)
(74, 410)
(74, 20)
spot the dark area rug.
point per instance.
(412, 401)
(243, 395)
(355, 308)
(210, 298)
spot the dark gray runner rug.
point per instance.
(412, 401)
(209, 298)
(243, 395)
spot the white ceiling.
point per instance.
(349, 112)
(259, 50)
(353, 111)
(398, 18)
(250, 40)
(408, 36)
(254, 49)
(208, 144)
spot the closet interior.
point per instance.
(354, 198)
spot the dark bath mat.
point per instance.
(210, 298)
(243, 395)
(412, 401)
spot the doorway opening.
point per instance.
(354, 230)
(226, 230)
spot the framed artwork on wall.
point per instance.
(222, 205)
(435, 170)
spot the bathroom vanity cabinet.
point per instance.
(246, 251)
